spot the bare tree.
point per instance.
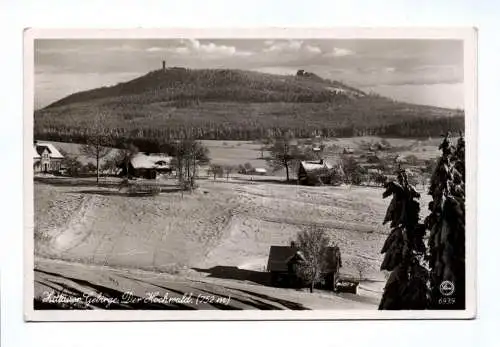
(264, 144)
(121, 159)
(228, 169)
(189, 153)
(283, 154)
(97, 142)
(360, 270)
(313, 244)
(198, 154)
(216, 170)
(72, 165)
(354, 173)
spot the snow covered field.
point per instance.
(211, 240)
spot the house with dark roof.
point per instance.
(318, 172)
(283, 260)
(146, 165)
(46, 157)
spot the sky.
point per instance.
(427, 72)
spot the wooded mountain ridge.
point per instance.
(227, 104)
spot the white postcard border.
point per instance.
(469, 37)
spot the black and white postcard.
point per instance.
(189, 174)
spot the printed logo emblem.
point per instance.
(447, 288)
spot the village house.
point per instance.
(146, 165)
(379, 146)
(46, 157)
(317, 172)
(348, 150)
(283, 261)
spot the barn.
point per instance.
(146, 165)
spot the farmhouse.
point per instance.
(46, 157)
(146, 165)
(317, 172)
(283, 260)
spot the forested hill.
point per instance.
(239, 105)
(217, 85)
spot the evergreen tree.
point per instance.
(446, 223)
(404, 248)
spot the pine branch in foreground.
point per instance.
(404, 249)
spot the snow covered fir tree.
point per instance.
(427, 269)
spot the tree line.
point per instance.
(155, 136)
